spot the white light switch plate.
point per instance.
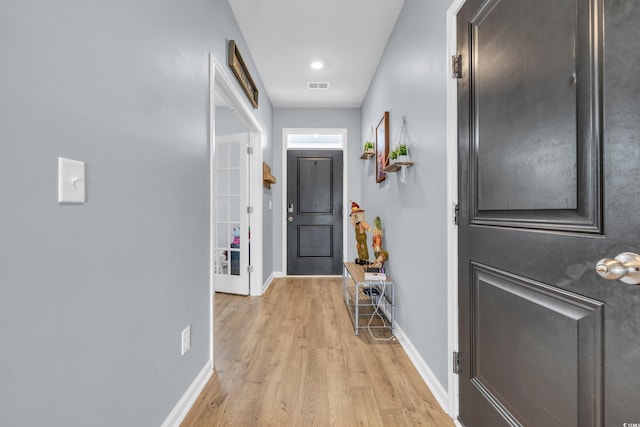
(70, 181)
(186, 339)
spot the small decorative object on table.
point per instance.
(374, 274)
(380, 254)
(361, 227)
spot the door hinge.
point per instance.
(249, 209)
(250, 269)
(456, 66)
(456, 214)
(249, 150)
(456, 362)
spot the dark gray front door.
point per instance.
(549, 157)
(314, 212)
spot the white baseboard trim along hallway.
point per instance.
(439, 392)
(185, 403)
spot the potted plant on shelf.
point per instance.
(368, 147)
(393, 155)
(403, 153)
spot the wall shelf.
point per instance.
(366, 155)
(395, 167)
(267, 178)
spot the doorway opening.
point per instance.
(314, 227)
(237, 117)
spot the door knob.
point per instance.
(625, 267)
(290, 219)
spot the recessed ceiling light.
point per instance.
(316, 65)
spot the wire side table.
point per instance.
(361, 298)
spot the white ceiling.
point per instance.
(285, 36)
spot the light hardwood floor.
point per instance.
(291, 358)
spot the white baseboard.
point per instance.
(189, 397)
(268, 282)
(439, 392)
(274, 275)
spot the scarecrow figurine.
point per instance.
(361, 227)
(380, 254)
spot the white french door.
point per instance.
(231, 251)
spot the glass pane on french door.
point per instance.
(228, 209)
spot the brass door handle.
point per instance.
(625, 267)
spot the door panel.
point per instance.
(539, 125)
(315, 241)
(231, 254)
(527, 333)
(315, 174)
(314, 232)
(529, 64)
(548, 169)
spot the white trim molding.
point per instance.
(220, 83)
(189, 397)
(268, 282)
(226, 88)
(452, 200)
(437, 389)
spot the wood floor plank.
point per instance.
(291, 358)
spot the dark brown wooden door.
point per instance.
(549, 155)
(314, 212)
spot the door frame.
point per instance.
(220, 81)
(453, 386)
(311, 131)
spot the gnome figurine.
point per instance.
(361, 227)
(380, 254)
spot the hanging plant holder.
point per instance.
(402, 146)
(399, 157)
(368, 149)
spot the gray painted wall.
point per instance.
(93, 297)
(228, 122)
(411, 80)
(267, 214)
(348, 118)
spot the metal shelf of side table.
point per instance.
(361, 300)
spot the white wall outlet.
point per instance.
(186, 339)
(70, 181)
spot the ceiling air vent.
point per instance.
(318, 85)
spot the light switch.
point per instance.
(70, 181)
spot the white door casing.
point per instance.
(220, 81)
